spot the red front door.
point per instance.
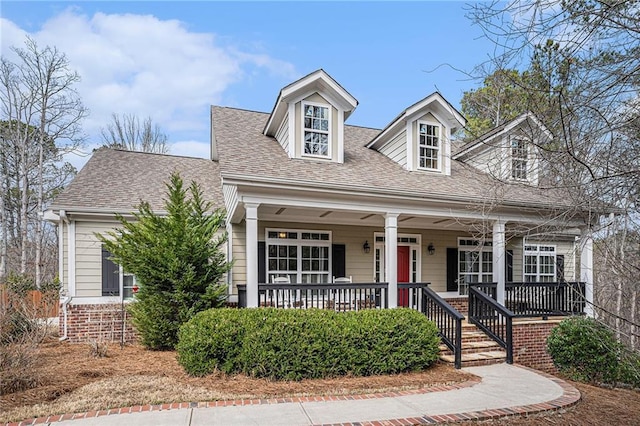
(403, 275)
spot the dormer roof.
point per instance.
(435, 103)
(485, 139)
(318, 81)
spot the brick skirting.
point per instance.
(530, 344)
(103, 323)
(459, 303)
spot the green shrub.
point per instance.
(585, 350)
(630, 369)
(177, 259)
(297, 344)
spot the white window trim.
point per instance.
(121, 275)
(417, 247)
(303, 129)
(537, 252)
(439, 149)
(299, 242)
(526, 159)
(485, 247)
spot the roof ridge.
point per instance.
(152, 153)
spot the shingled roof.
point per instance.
(116, 181)
(244, 150)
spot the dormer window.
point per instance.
(519, 158)
(316, 125)
(429, 146)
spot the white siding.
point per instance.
(230, 193)
(396, 149)
(282, 135)
(89, 258)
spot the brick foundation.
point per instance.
(459, 303)
(530, 344)
(103, 322)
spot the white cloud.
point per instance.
(146, 66)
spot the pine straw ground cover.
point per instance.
(71, 380)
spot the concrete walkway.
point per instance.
(503, 390)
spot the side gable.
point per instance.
(510, 151)
(420, 137)
(308, 118)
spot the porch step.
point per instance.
(476, 359)
(473, 347)
(477, 349)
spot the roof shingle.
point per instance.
(115, 180)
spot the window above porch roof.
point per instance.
(308, 118)
(419, 139)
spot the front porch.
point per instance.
(525, 305)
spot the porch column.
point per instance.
(586, 269)
(251, 228)
(498, 259)
(391, 257)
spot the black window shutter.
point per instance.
(110, 275)
(338, 256)
(262, 262)
(452, 269)
(509, 266)
(560, 267)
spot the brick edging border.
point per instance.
(240, 402)
(570, 396)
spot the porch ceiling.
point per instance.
(277, 213)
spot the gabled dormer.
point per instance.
(419, 139)
(308, 118)
(510, 151)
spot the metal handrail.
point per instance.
(447, 319)
(495, 320)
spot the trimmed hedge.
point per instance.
(587, 350)
(292, 344)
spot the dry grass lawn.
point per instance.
(71, 380)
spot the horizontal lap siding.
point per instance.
(282, 135)
(358, 264)
(89, 258)
(396, 149)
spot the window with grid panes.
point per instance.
(519, 158)
(475, 263)
(303, 256)
(428, 146)
(539, 263)
(316, 130)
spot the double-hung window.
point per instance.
(429, 146)
(519, 158)
(302, 256)
(475, 263)
(539, 263)
(316, 130)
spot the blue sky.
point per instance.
(171, 60)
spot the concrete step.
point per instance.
(479, 358)
(473, 347)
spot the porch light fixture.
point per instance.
(431, 249)
(366, 247)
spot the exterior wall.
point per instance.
(298, 128)
(64, 276)
(565, 247)
(359, 265)
(493, 159)
(444, 139)
(396, 149)
(282, 135)
(97, 322)
(89, 258)
(530, 344)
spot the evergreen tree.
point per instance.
(177, 260)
